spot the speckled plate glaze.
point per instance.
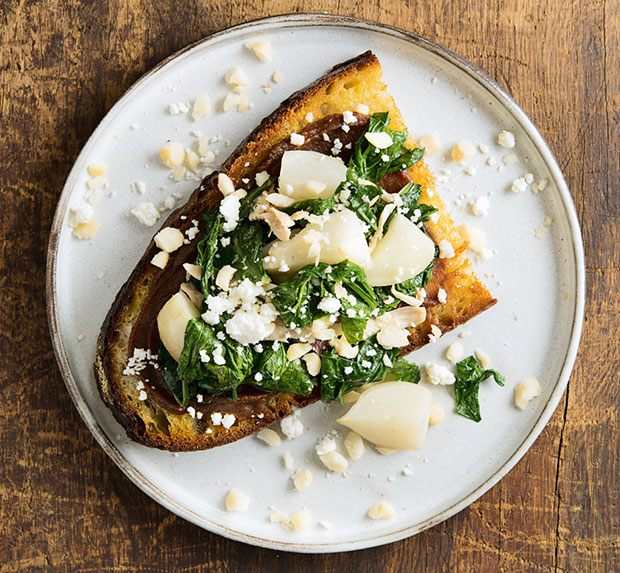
(533, 331)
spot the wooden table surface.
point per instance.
(64, 504)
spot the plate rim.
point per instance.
(475, 73)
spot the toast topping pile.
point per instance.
(309, 276)
(308, 267)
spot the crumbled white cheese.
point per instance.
(506, 139)
(362, 108)
(228, 420)
(442, 295)
(146, 213)
(297, 139)
(218, 357)
(291, 427)
(177, 108)
(142, 396)
(446, 250)
(348, 117)
(438, 374)
(329, 304)
(229, 208)
(519, 185)
(248, 327)
(325, 445)
(480, 207)
(81, 213)
(216, 418)
(138, 361)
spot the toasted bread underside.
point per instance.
(353, 82)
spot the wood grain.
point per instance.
(65, 506)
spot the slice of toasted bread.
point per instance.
(148, 421)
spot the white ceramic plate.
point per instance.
(533, 331)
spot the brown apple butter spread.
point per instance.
(323, 136)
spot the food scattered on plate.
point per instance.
(306, 268)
